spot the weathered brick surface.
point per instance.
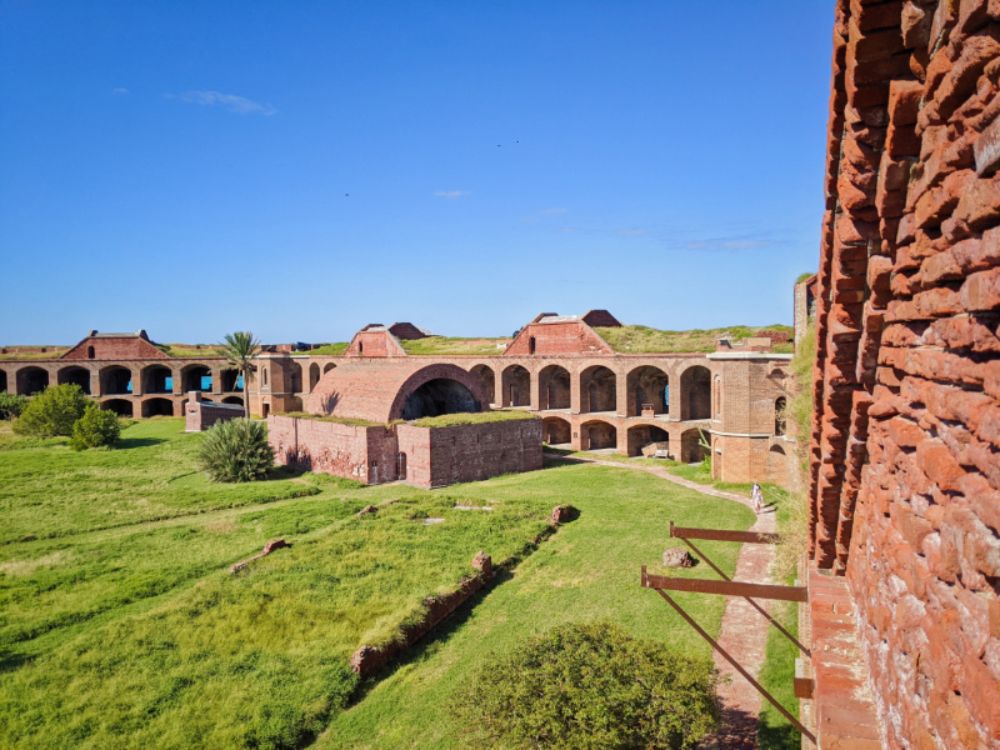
(905, 470)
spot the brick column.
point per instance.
(574, 393)
(675, 395)
(621, 396)
(136, 381)
(498, 395)
(534, 397)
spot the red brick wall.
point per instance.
(570, 337)
(905, 482)
(125, 347)
(365, 454)
(374, 344)
(465, 453)
(200, 415)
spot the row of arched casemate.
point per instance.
(677, 393)
(130, 389)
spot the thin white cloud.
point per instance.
(119, 91)
(451, 194)
(554, 211)
(238, 104)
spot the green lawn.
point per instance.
(636, 339)
(121, 630)
(49, 490)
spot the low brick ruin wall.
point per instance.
(424, 456)
(438, 456)
(200, 415)
(363, 453)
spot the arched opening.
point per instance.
(531, 344)
(157, 407)
(90, 352)
(598, 390)
(598, 435)
(295, 378)
(116, 380)
(75, 376)
(265, 410)
(157, 379)
(692, 448)
(3, 381)
(647, 392)
(313, 376)
(263, 375)
(777, 465)
(328, 366)
(516, 384)
(780, 423)
(553, 387)
(232, 380)
(196, 378)
(439, 396)
(120, 406)
(484, 374)
(361, 347)
(556, 431)
(696, 393)
(31, 380)
(233, 400)
(648, 440)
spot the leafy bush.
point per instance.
(236, 451)
(590, 686)
(97, 428)
(52, 412)
(11, 405)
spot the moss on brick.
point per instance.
(482, 417)
(636, 339)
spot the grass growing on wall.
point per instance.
(329, 349)
(636, 339)
(480, 417)
(454, 345)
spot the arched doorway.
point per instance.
(516, 383)
(553, 388)
(157, 379)
(646, 435)
(196, 378)
(233, 400)
(556, 431)
(116, 381)
(120, 406)
(313, 375)
(75, 376)
(780, 417)
(439, 396)
(647, 392)
(31, 380)
(598, 390)
(157, 407)
(693, 449)
(696, 393)
(328, 366)
(295, 378)
(598, 436)
(487, 379)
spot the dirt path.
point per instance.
(744, 630)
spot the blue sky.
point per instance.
(304, 168)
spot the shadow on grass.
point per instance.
(126, 443)
(784, 737)
(9, 661)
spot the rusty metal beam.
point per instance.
(726, 588)
(724, 535)
(781, 628)
(793, 720)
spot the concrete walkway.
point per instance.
(744, 630)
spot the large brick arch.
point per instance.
(438, 372)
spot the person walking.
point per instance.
(758, 497)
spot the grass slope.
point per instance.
(636, 339)
(588, 571)
(49, 490)
(454, 345)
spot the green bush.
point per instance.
(97, 428)
(237, 451)
(11, 405)
(590, 686)
(52, 412)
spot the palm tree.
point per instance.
(240, 349)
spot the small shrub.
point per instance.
(52, 412)
(237, 451)
(11, 405)
(97, 428)
(590, 686)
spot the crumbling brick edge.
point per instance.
(369, 660)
